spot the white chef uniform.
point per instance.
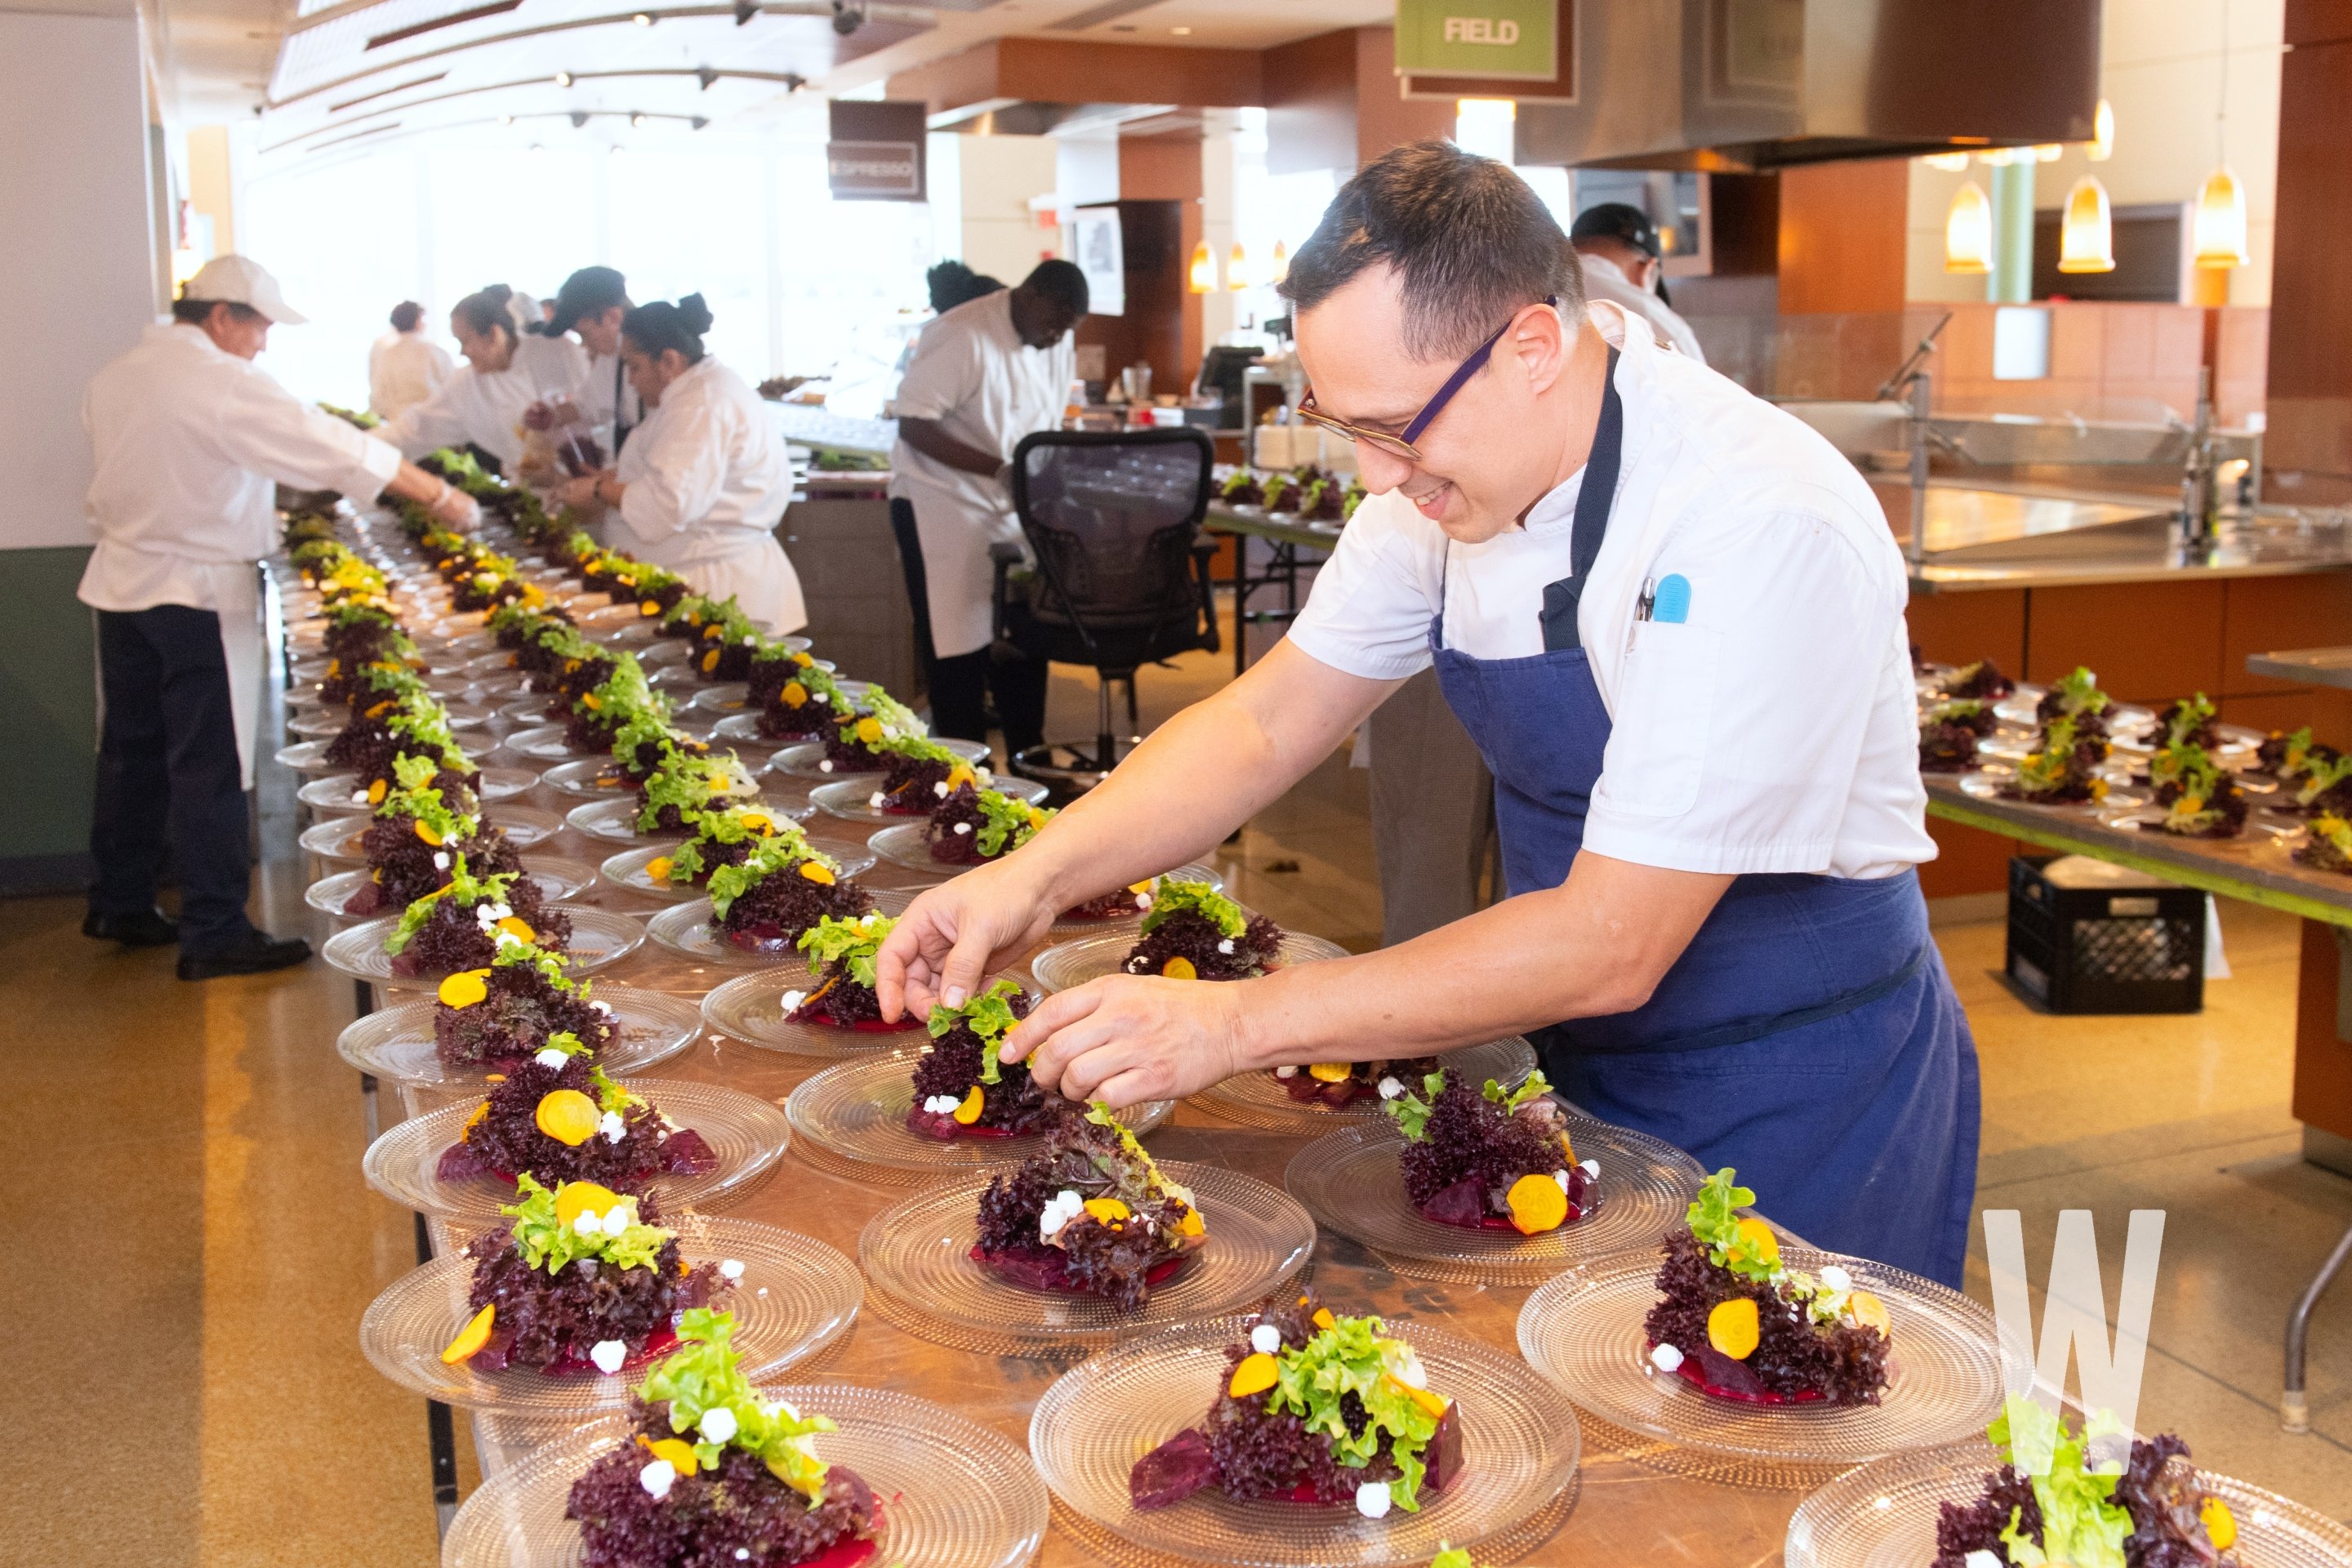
(604, 389)
(191, 444)
(973, 373)
(706, 481)
(486, 407)
(1729, 749)
(405, 369)
(1604, 279)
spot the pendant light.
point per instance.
(1202, 273)
(1237, 273)
(2219, 226)
(2086, 239)
(2102, 133)
(1967, 231)
(1281, 268)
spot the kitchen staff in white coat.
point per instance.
(987, 372)
(1671, 617)
(506, 372)
(703, 482)
(404, 367)
(592, 302)
(1617, 247)
(191, 439)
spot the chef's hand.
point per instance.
(1126, 1038)
(953, 935)
(456, 508)
(576, 492)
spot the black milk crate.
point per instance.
(2086, 936)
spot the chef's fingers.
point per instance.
(1051, 1019)
(905, 969)
(1133, 1087)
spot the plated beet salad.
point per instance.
(715, 1475)
(1491, 1158)
(556, 1118)
(964, 1087)
(418, 833)
(1088, 1215)
(842, 952)
(1192, 931)
(465, 922)
(2050, 1503)
(1342, 1084)
(1736, 1323)
(723, 835)
(490, 1019)
(778, 892)
(970, 825)
(1315, 1408)
(583, 1282)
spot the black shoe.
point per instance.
(147, 928)
(259, 954)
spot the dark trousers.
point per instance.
(168, 775)
(959, 688)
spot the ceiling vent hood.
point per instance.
(1763, 84)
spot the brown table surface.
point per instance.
(1636, 1503)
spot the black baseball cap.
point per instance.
(1619, 221)
(587, 291)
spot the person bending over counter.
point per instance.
(506, 372)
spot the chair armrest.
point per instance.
(1203, 552)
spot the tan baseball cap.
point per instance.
(235, 280)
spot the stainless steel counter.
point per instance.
(1982, 538)
(2306, 665)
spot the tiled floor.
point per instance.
(186, 1167)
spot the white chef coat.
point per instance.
(1604, 279)
(973, 373)
(706, 480)
(404, 369)
(1772, 730)
(486, 407)
(603, 388)
(191, 443)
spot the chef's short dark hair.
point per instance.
(487, 310)
(1060, 282)
(652, 328)
(196, 312)
(1470, 241)
(406, 315)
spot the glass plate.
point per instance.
(795, 1298)
(616, 821)
(627, 869)
(848, 798)
(805, 760)
(684, 682)
(959, 1495)
(659, 652)
(556, 878)
(600, 939)
(918, 1263)
(743, 730)
(527, 709)
(750, 1008)
(1350, 1183)
(905, 843)
(332, 795)
(1258, 1099)
(858, 1110)
(1520, 1447)
(543, 744)
(1986, 787)
(747, 1133)
(336, 838)
(1091, 957)
(590, 778)
(685, 928)
(397, 1042)
(1884, 1515)
(1583, 1331)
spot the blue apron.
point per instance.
(1809, 1035)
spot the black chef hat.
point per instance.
(1611, 220)
(584, 293)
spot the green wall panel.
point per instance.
(48, 710)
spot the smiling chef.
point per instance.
(1671, 618)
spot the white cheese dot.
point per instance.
(1265, 1339)
(359, 797)
(874, 800)
(1143, 901)
(731, 1268)
(1226, 947)
(658, 1477)
(1666, 1358)
(608, 1355)
(940, 789)
(551, 1057)
(1372, 1499)
(1561, 1177)
(1980, 1559)
(826, 766)
(441, 860)
(1286, 1072)
(718, 1424)
(791, 1000)
(743, 1554)
(611, 1125)
(1390, 1088)
(749, 640)
(963, 827)
(1592, 1169)
(1836, 1278)
(603, 1007)
(588, 1223)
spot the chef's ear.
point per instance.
(1539, 341)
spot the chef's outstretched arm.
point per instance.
(1598, 944)
(1198, 777)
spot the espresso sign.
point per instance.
(877, 151)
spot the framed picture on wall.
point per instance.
(1093, 242)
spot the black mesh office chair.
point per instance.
(1121, 580)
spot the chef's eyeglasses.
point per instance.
(1400, 443)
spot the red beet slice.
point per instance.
(1040, 1269)
(1463, 1204)
(364, 901)
(1443, 1454)
(687, 1153)
(458, 1163)
(766, 936)
(1712, 1372)
(947, 1129)
(1171, 1472)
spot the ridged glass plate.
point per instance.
(858, 1111)
(1583, 1331)
(805, 760)
(544, 744)
(659, 652)
(1519, 1442)
(919, 1267)
(590, 778)
(1091, 957)
(556, 878)
(747, 1133)
(959, 1496)
(849, 799)
(907, 843)
(685, 928)
(1351, 1182)
(1259, 1098)
(600, 939)
(627, 869)
(750, 1008)
(306, 757)
(397, 1042)
(327, 722)
(530, 707)
(743, 730)
(337, 795)
(336, 840)
(796, 1296)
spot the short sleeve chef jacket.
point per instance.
(485, 408)
(1772, 729)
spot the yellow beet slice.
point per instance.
(1567, 1149)
(1255, 1374)
(794, 694)
(1180, 968)
(1107, 1209)
(519, 927)
(471, 1338)
(424, 831)
(1323, 1319)
(818, 872)
(869, 730)
(648, 608)
(1434, 1403)
(658, 868)
(710, 659)
(2220, 1524)
(1760, 1240)
(760, 820)
(465, 988)
(1193, 1224)
(677, 1450)
(479, 1111)
(1331, 1072)
(801, 658)
(567, 1116)
(1732, 1327)
(575, 1198)
(377, 791)
(1871, 1312)
(713, 630)
(1536, 1204)
(968, 1110)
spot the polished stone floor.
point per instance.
(187, 1168)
